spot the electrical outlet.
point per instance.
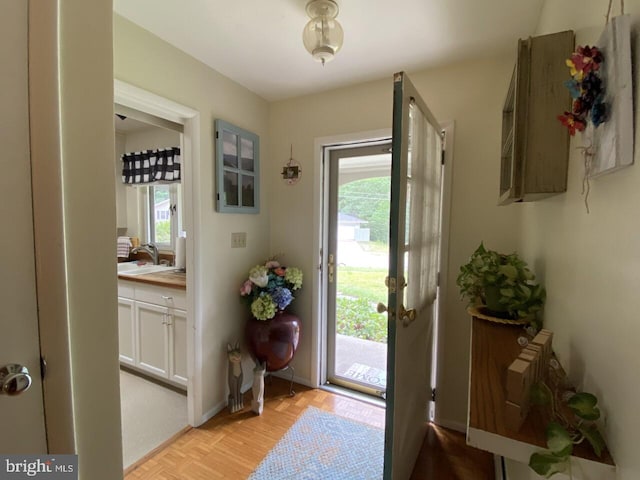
(239, 240)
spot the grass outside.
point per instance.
(374, 247)
(359, 290)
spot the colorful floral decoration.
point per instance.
(269, 288)
(587, 90)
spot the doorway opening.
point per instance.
(152, 332)
(177, 313)
(358, 182)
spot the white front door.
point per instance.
(414, 259)
(21, 416)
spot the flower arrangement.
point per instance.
(269, 288)
(587, 90)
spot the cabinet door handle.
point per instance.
(167, 297)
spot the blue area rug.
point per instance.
(324, 446)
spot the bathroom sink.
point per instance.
(135, 268)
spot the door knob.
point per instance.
(381, 308)
(14, 379)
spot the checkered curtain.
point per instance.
(149, 166)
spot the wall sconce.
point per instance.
(323, 35)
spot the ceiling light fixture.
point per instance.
(323, 35)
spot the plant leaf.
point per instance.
(540, 394)
(592, 434)
(558, 440)
(506, 292)
(508, 271)
(548, 464)
(584, 405)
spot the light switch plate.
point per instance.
(239, 240)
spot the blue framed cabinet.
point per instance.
(237, 169)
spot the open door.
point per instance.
(21, 407)
(414, 258)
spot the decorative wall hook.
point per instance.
(291, 172)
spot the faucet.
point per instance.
(150, 249)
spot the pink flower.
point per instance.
(280, 271)
(272, 264)
(246, 288)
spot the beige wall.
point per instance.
(471, 94)
(589, 264)
(72, 150)
(142, 59)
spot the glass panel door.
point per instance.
(360, 180)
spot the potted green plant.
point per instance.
(501, 287)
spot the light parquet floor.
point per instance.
(230, 446)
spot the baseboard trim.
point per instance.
(208, 415)
(156, 450)
(287, 376)
(451, 425)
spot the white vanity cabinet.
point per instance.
(126, 331)
(157, 344)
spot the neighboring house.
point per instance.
(350, 228)
(162, 211)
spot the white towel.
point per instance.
(124, 243)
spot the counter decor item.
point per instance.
(500, 288)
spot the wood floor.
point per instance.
(231, 446)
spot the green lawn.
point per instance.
(361, 282)
(359, 290)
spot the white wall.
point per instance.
(142, 59)
(590, 263)
(471, 94)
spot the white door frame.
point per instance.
(320, 232)
(440, 324)
(320, 205)
(147, 102)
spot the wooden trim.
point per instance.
(167, 443)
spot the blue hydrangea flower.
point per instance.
(282, 297)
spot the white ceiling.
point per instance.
(258, 43)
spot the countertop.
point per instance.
(171, 279)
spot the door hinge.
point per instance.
(433, 394)
(438, 280)
(43, 367)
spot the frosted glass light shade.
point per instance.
(323, 34)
